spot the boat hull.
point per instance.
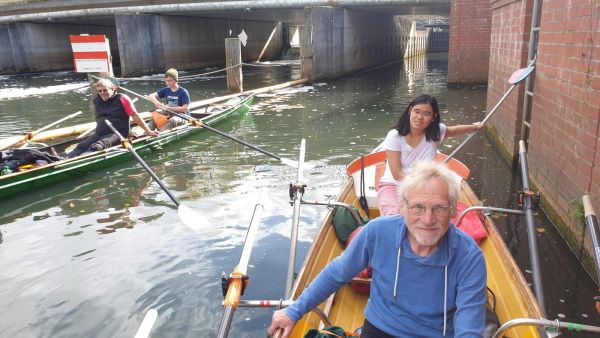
(513, 298)
(29, 180)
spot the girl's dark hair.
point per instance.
(432, 133)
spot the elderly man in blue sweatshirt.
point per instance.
(428, 277)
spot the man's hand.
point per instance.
(280, 321)
(153, 133)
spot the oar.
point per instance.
(147, 324)
(516, 77)
(528, 206)
(199, 123)
(594, 230)
(29, 135)
(189, 217)
(238, 280)
(297, 192)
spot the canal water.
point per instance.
(88, 257)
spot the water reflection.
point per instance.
(88, 257)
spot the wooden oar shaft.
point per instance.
(55, 123)
(129, 147)
(18, 140)
(236, 280)
(593, 229)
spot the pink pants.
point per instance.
(389, 201)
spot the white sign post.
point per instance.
(91, 53)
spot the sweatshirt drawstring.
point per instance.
(445, 296)
(397, 272)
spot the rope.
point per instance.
(183, 77)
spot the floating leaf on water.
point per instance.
(540, 230)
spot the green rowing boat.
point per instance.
(28, 180)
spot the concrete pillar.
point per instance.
(233, 56)
(336, 41)
(153, 43)
(469, 50)
(326, 41)
(140, 44)
(35, 47)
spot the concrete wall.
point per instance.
(511, 23)
(417, 42)
(438, 41)
(33, 47)
(469, 49)
(150, 43)
(337, 41)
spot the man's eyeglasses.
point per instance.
(437, 210)
(426, 114)
(102, 90)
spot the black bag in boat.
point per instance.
(13, 159)
(329, 332)
(344, 223)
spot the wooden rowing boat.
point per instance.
(510, 296)
(28, 180)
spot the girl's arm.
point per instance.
(463, 129)
(395, 162)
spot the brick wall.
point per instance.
(469, 50)
(511, 24)
(566, 106)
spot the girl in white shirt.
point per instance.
(416, 136)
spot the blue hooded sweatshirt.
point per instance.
(443, 294)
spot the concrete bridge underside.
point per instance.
(150, 38)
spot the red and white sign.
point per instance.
(91, 53)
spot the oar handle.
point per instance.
(234, 290)
(278, 333)
(125, 143)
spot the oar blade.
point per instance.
(289, 162)
(147, 324)
(520, 75)
(191, 218)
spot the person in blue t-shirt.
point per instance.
(177, 99)
(429, 278)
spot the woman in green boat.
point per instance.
(117, 108)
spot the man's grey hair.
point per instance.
(421, 173)
(104, 83)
